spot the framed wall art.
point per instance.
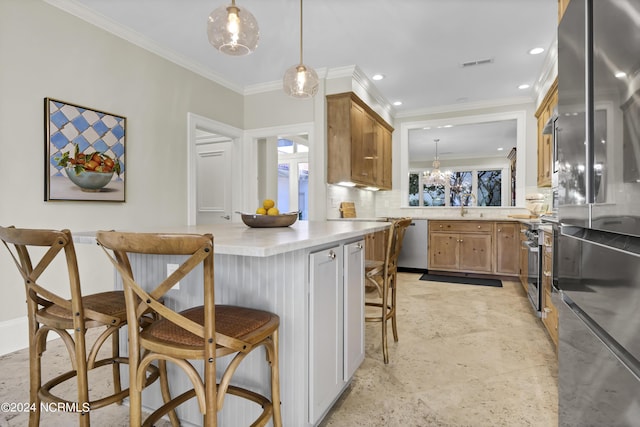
(84, 153)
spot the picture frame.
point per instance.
(84, 153)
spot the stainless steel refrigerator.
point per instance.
(597, 156)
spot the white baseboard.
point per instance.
(15, 335)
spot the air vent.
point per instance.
(477, 62)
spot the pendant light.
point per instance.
(436, 177)
(233, 30)
(300, 81)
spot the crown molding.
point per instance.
(80, 11)
(494, 103)
(276, 84)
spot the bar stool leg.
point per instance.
(275, 382)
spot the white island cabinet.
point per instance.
(311, 275)
(336, 347)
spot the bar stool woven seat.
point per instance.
(34, 252)
(203, 333)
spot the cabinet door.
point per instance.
(475, 252)
(384, 161)
(443, 251)
(369, 151)
(507, 248)
(325, 324)
(545, 148)
(353, 308)
(549, 311)
(543, 143)
(358, 166)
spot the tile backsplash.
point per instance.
(387, 204)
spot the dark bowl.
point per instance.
(268, 221)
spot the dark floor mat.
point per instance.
(462, 280)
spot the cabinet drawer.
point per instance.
(461, 226)
(550, 318)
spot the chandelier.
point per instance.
(233, 30)
(436, 177)
(300, 81)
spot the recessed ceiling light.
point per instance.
(397, 103)
(447, 126)
(378, 76)
(524, 86)
(500, 148)
(536, 51)
(620, 74)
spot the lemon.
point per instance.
(261, 211)
(273, 211)
(268, 204)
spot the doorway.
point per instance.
(213, 182)
(293, 174)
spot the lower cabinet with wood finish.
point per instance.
(549, 310)
(480, 247)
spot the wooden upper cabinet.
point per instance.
(545, 142)
(358, 143)
(384, 155)
(562, 6)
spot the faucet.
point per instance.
(463, 211)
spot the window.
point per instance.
(464, 186)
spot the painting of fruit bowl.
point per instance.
(89, 180)
(90, 171)
(85, 153)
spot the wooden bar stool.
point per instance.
(201, 333)
(49, 312)
(382, 276)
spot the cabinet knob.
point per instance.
(359, 246)
(478, 227)
(332, 255)
(499, 229)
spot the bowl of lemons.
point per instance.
(268, 215)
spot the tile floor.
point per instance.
(467, 356)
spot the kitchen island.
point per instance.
(311, 275)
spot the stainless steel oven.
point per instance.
(534, 288)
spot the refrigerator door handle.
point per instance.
(609, 342)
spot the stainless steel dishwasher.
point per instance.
(414, 253)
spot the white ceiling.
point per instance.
(419, 45)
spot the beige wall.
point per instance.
(45, 52)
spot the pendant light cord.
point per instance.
(301, 32)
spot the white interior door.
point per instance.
(213, 181)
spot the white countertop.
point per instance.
(238, 239)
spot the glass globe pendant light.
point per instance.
(233, 30)
(299, 80)
(436, 177)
